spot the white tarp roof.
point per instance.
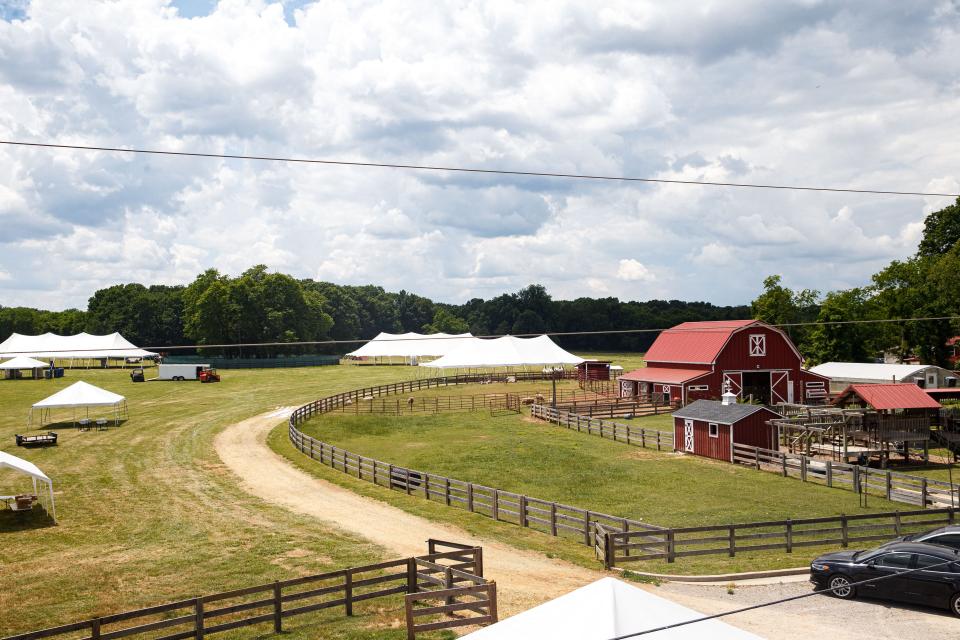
(407, 345)
(80, 394)
(506, 351)
(869, 372)
(23, 362)
(81, 345)
(21, 465)
(605, 609)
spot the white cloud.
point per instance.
(633, 271)
(807, 93)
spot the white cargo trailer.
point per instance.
(180, 371)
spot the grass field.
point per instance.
(148, 514)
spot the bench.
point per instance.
(39, 440)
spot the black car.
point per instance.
(948, 536)
(938, 586)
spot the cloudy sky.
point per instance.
(846, 94)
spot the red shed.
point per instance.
(593, 370)
(696, 360)
(710, 428)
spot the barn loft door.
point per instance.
(733, 382)
(780, 387)
(626, 389)
(688, 435)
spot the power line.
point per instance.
(715, 325)
(506, 172)
(778, 601)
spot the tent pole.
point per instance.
(53, 506)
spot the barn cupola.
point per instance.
(729, 397)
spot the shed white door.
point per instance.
(688, 435)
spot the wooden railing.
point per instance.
(626, 433)
(273, 603)
(386, 405)
(892, 485)
(618, 547)
(546, 516)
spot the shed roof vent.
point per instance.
(729, 397)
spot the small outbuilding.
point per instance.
(14, 368)
(594, 370)
(710, 428)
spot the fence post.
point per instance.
(470, 497)
(586, 528)
(843, 531)
(889, 483)
(923, 493)
(856, 479)
(95, 629)
(609, 559)
(783, 459)
(198, 618)
(789, 535)
(658, 441)
(478, 561)
(553, 518)
(496, 504)
(756, 454)
(411, 575)
(671, 547)
(731, 541)
(348, 592)
(492, 601)
(448, 584)
(803, 468)
(829, 473)
(277, 608)
(406, 473)
(523, 510)
(446, 491)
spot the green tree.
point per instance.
(446, 322)
(941, 231)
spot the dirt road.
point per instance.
(525, 579)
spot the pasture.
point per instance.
(148, 513)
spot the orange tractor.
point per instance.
(209, 375)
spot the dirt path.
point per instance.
(524, 579)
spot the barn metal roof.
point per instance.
(869, 371)
(714, 411)
(890, 396)
(694, 342)
(663, 374)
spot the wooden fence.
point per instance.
(385, 405)
(272, 603)
(504, 506)
(617, 407)
(627, 433)
(892, 485)
(618, 547)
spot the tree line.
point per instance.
(926, 285)
(258, 306)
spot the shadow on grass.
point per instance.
(36, 518)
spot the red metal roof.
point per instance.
(663, 375)
(695, 342)
(891, 396)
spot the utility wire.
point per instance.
(778, 601)
(506, 172)
(714, 325)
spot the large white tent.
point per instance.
(22, 363)
(606, 609)
(843, 374)
(9, 461)
(81, 395)
(82, 346)
(407, 346)
(506, 352)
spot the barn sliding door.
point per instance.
(733, 382)
(780, 387)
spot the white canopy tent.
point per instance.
(22, 363)
(82, 346)
(505, 352)
(606, 609)
(410, 346)
(23, 466)
(81, 395)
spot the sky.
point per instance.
(854, 94)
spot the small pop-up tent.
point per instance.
(23, 466)
(606, 609)
(81, 395)
(23, 363)
(505, 352)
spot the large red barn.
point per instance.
(751, 359)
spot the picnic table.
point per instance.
(84, 424)
(101, 424)
(23, 502)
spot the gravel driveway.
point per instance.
(816, 617)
